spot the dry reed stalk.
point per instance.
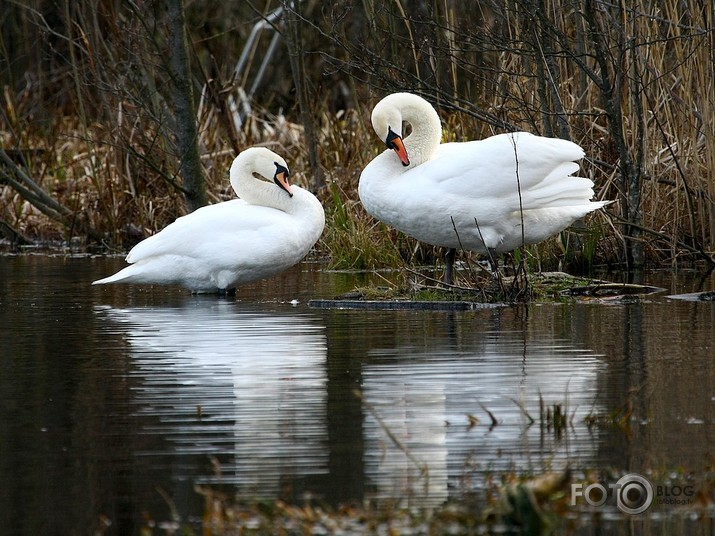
(490, 70)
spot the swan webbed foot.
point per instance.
(449, 266)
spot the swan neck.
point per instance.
(258, 192)
(426, 132)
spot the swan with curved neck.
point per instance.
(489, 196)
(215, 248)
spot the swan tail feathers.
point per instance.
(122, 276)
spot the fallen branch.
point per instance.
(38, 197)
(692, 249)
(13, 235)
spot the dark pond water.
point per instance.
(116, 401)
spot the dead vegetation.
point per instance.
(88, 131)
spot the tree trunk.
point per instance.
(610, 62)
(185, 116)
(294, 42)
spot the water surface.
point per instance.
(117, 401)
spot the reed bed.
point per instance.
(89, 115)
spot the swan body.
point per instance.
(487, 196)
(217, 247)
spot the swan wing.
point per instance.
(499, 167)
(212, 232)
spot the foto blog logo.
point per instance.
(633, 492)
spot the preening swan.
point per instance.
(488, 196)
(217, 247)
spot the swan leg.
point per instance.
(226, 292)
(493, 260)
(449, 266)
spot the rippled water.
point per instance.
(117, 401)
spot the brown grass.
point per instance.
(105, 151)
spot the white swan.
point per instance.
(271, 228)
(489, 196)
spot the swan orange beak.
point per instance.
(281, 178)
(394, 142)
(401, 152)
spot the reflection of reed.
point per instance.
(406, 451)
(247, 386)
(420, 430)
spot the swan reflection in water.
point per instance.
(259, 377)
(244, 385)
(419, 440)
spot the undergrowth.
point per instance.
(87, 115)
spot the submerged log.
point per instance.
(603, 288)
(401, 304)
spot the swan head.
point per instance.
(263, 162)
(388, 117)
(387, 123)
(281, 177)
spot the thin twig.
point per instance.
(697, 250)
(440, 282)
(461, 247)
